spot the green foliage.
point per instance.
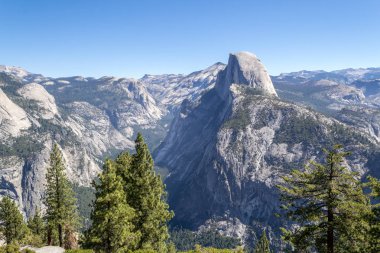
(146, 194)
(130, 212)
(79, 251)
(200, 249)
(112, 229)
(85, 196)
(12, 226)
(329, 206)
(298, 130)
(374, 236)
(10, 248)
(186, 239)
(23, 146)
(241, 118)
(36, 223)
(37, 230)
(262, 246)
(144, 251)
(61, 209)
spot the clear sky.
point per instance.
(133, 37)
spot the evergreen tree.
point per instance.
(36, 223)
(262, 246)
(375, 218)
(146, 194)
(12, 226)
(112, 228)
(328, 205)
(36, 230)
(60, 201)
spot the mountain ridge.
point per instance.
(92, 118)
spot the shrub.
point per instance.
(10, 248)
(200, 249)
(79, 251)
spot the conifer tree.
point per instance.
(145, 193)
(262, 246)
(329, 206)
(60, 201)
(36, 230)
(12, 226)
(112, 229)
(36, 223)
(374, 185)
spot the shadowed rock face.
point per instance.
(89, 118)
(227, 146)
(227, 151)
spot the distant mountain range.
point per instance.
(223, 135)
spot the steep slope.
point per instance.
(171, 90)
(89, 118)
(349, 95)
(226, 152)
(13, 119)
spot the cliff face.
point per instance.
(89, 118)
(227, 150)
(233, 135)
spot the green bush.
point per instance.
(200, 249)
(186, 240)
(145, 251)
(79, 251)
(10, 248)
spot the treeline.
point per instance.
(330, 209)
(129, 213)
(326, 208)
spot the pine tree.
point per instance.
(374, 185)
(36, 230)
(146, 194)
(262, 246)
(36, 223)
(112, 228)
(60, 201)
(328, 204)
(12, 226)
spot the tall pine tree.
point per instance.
(374, 237)
(37, 230)
(262, 246)
(12, 226)
(60, 201)
(328, 204)
(112, 229)
(36, 223)
(146, 194)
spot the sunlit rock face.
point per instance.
(227, 151)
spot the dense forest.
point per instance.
(327, 208)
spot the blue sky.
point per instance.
(134, 37)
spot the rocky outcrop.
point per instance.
(245, 69)
(227, 151)
(46, 102)
(232, 137)
(171, 90)
(13, 119)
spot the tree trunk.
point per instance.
(330, 211)
(330, 230)
(49, 237)
(60, 235)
